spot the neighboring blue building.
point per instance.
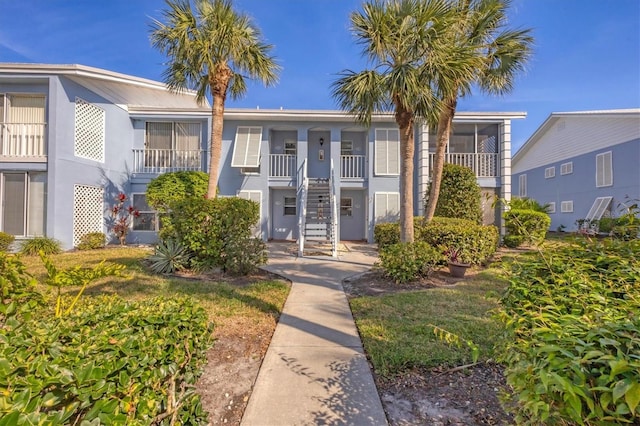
(73, 137)
(585, 165)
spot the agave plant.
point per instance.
(170, 256)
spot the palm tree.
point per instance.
(212, 50)
(394, 37)
(482, 52)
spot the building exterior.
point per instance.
(583, 164)
(73, 137)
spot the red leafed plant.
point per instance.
(122, 218)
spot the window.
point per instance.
(346, 148)
(566, 207)
(173, 144)
(604, 170)
(290, 147)
(551, 207)
(289, 206)
(600, 205)
(522, 186)
(148, 219)
(549, 172)
(23, 197)
(387, 151)
(346, 207)
(246, 150)
(387, 206)
(566, 168)
(89, 137)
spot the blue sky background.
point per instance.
(587, 52)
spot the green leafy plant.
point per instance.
(108, 362)
(5, 241)
(524, 203)
(92, 241)
(530, 225)
(460, 194)
(573, 339)
(405, 262)
(18, 295)
(36, 245)
(169, 256)
(513, 241)
(75, 276)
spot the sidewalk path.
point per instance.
(315, 371)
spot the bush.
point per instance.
(405, 262)
(460, 195)
(92, 240)
(528, 204)
(606, 224)
(529, 224)
(110, 362)
(5, 241)
(169, 188)
(217, 230)
(18, 295)
(574, 335)
(386, 234)
(45, 244)
(477, 243)
(513, 241)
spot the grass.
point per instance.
(256, 302)
(397, 330)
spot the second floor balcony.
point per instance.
(156, 161)
(483, 165)
(23, 142)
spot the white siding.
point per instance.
(570, 137)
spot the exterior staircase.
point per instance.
(318, 229)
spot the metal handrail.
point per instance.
(302, 216)
(334, 213)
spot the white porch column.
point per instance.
(422, 146)
(505, 170)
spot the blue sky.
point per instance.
(587, 52)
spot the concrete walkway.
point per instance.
(315, 371)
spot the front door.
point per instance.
(284, 214)
(352, 215)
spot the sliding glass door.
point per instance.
(23, 208)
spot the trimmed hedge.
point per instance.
(460, 194)
(110, 362)
(405, 262)
(531, 225)
(477, 243)
(92, 240)
(573, 334)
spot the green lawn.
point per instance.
(397, 330)
(255, 302)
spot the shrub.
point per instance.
(573, 334)
(216, 230)
(386, 234)
(92, 240)
(513, 241)
(606, 224)
(36, 245)
(111, 362)
(18, 295)
(529, 224)
(169, 188)
(404, 262)
(243, 256)
(460, 195)
(169, 256)
(5, 241)
(517, 203)
(476, 243)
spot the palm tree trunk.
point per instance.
(405, 123)
(444, 129)
(218, 81)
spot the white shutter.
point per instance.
(387, 151)
(255, 196)
(387, 206)
(246, 150)
(598, 208)
(187, 136)
(522, 185)
(604, 170)
(26, 109)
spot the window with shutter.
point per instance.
(566, 207)
(604, 169)
(600, 205)
(246, 150)
(387, 206)
(566, 168)
(387, 150)
(522, 185)
(549, 172)
(255, 196)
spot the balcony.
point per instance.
(23, 142)
(158, 161)
(352, 166)
(282, 165)
(483, 165)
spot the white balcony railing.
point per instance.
(22, 140)
(166, 160)
(352, 166)
(282, 165)
(483, 165)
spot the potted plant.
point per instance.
(457, 268)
